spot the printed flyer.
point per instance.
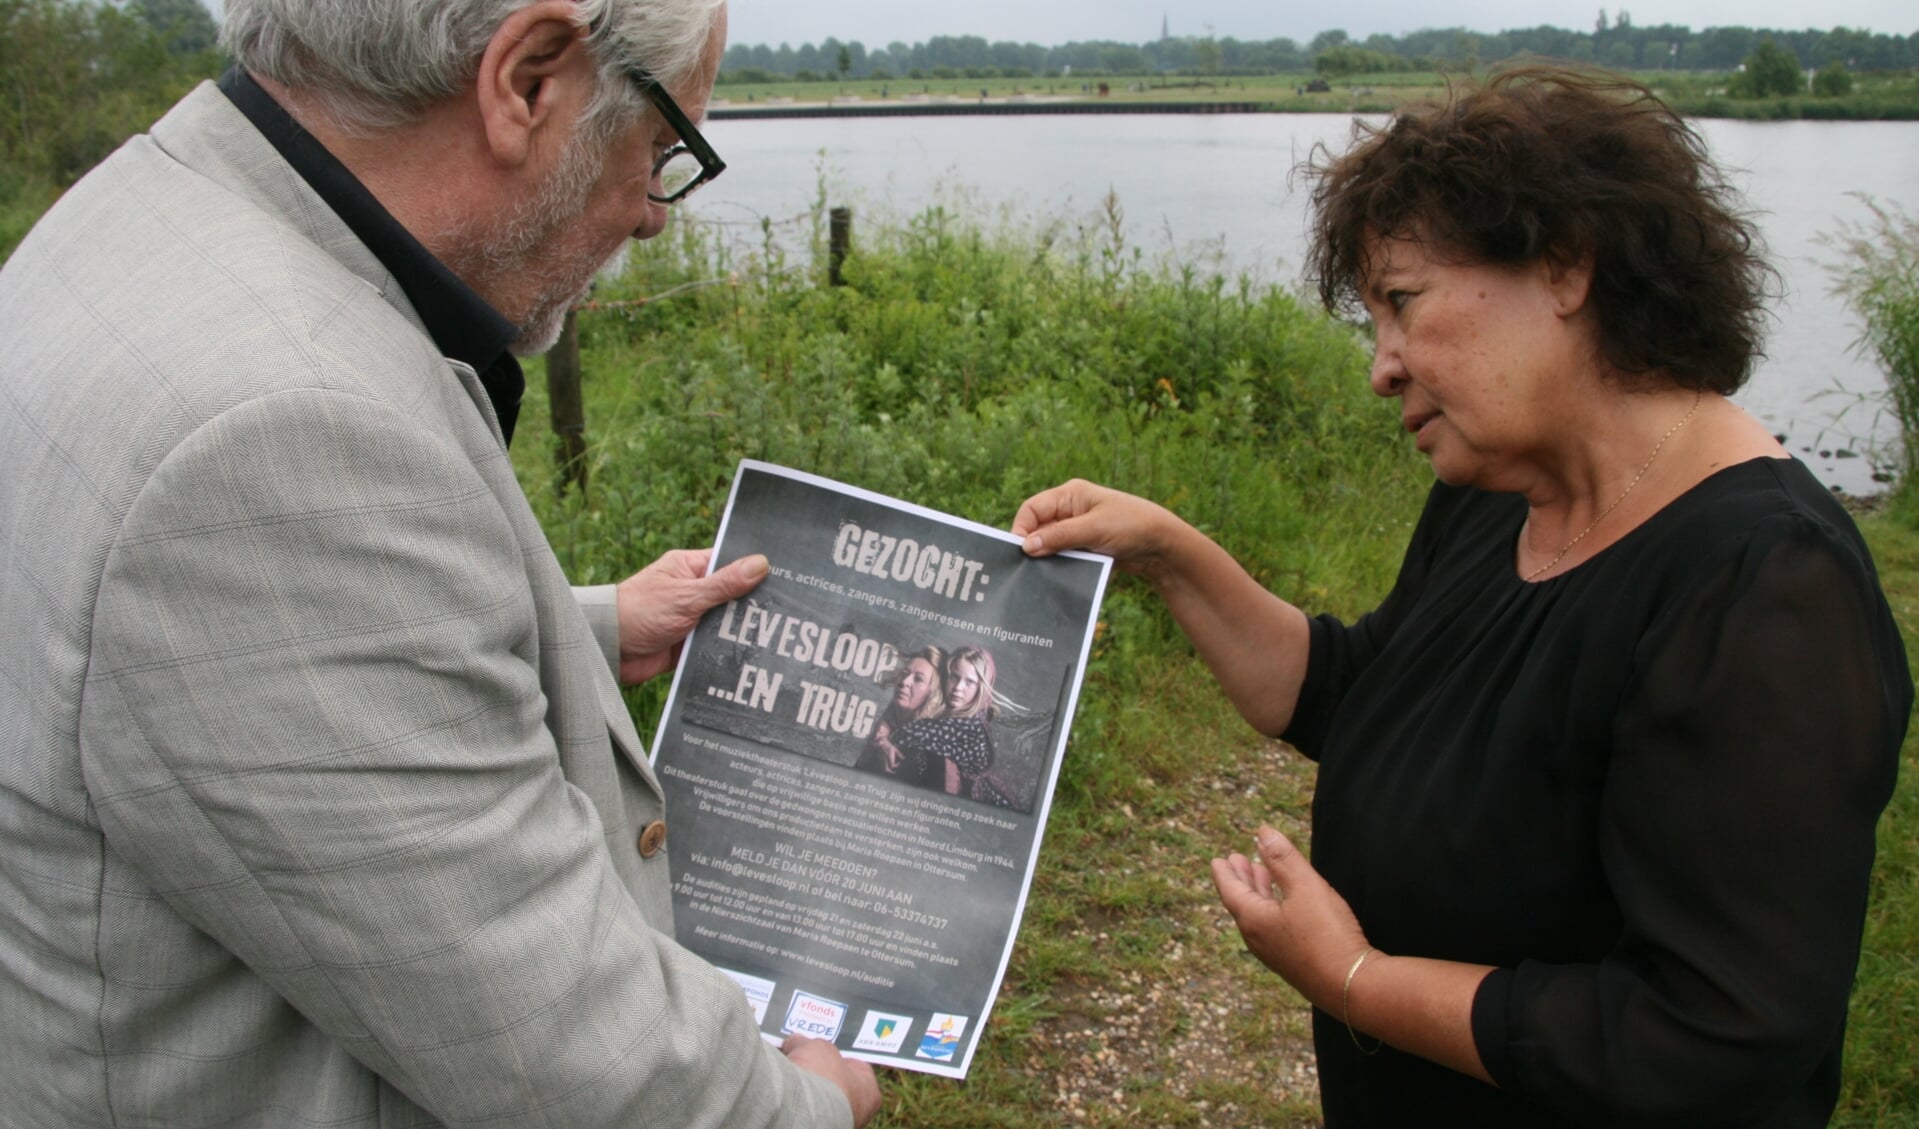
(858, 759)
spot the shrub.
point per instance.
(1832, 81)
(83, 77)
(1770, 71)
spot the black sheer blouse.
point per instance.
(1645, 789)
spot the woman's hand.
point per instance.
(1299, 926)
(1080, 515)
(1291, 919)
(1256, 643)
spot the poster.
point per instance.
(858, 758)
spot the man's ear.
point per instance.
(529, 78)
(1569, 280)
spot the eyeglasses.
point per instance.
(687, 165)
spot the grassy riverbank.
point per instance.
(1695, 93)
(963, 370)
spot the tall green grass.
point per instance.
(1879, 276)
(22, 203)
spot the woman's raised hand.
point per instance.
(1255, 643)
(1080, 515)
(1294, 922)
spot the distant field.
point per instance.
(1278, 92)
(1699, 93)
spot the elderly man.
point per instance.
(318, 801)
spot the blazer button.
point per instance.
(652, 839)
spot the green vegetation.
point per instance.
(1832, 80)
(965, 370)
(1771, 72)
(79, 79)
(1844, 96)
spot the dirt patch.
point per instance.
(1197, 1032)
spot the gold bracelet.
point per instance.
(1346, 1005)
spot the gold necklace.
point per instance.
(1657, 447)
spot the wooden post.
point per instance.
(840, 239)
(567, 408)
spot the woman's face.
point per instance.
(1486, 360)
(965, 686)
(916, 685)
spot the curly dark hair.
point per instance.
(1566, 164)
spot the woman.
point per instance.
(1598, 781)
(919, 693)
(957, 745)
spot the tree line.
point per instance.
(80, 77)
(1614, 42)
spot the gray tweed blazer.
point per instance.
(318, 802)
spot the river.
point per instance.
(1220, 185)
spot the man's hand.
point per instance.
(849, 1074)
(660, 604)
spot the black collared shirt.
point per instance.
(460, 322)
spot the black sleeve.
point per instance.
(1340, 652)
(1753, 755)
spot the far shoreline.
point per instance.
(783, 102)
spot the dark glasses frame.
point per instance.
(690, 139)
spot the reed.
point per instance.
(1878, 274)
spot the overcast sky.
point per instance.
(879, 22)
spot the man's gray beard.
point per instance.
(544, 325)
(512, 247)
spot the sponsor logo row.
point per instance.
(879, 1032)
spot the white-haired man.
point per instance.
(318, 799)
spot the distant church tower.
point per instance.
(1165, 28)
